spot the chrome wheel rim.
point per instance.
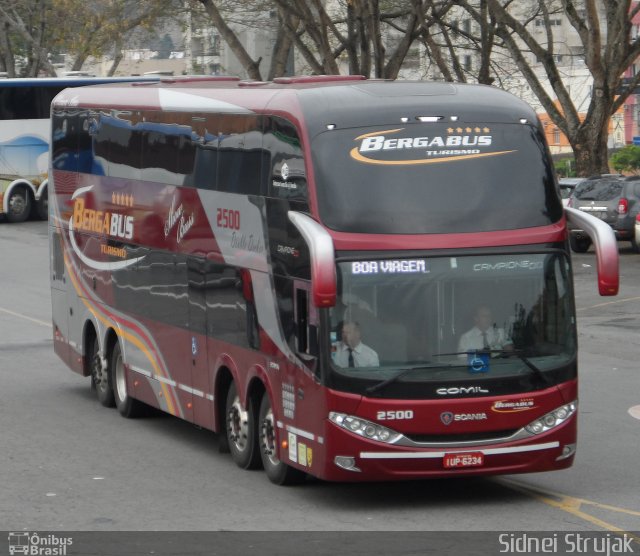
(17, 203)
(121, 381)
(238, 425)
(268, 438)
(99, 376)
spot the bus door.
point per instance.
(307, 392)
(198, 362)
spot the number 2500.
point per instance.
(228, 218)
(394, 415)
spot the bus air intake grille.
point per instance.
(463, 437)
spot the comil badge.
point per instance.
(444, 145)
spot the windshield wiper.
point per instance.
(509, 353)
(520, 355)
(406, 371)
(503, 352)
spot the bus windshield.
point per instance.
(439, 319)
(434, 178)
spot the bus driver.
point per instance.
(351, 352)
(484, 335)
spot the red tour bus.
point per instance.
(352, 279)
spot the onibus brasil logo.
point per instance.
(35, 544)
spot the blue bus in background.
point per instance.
(24, 140)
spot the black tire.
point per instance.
(579, 245)
(127, 406)
(240, 427)
(100, 377)
(42, 205)
(278, 472)
(19, 204)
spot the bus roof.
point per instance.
(70, 81)
(339, 101)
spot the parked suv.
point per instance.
(615, 200)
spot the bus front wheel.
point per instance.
(240, 428)
(278, 472)
(19, 205)
(127, 406)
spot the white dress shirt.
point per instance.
(363, 356)
(472, 340)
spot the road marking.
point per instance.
(624, 300)
(635, 411)
(25, 317)
(572, 505)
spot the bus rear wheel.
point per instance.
(127, 406)
(100, 376)
(278, 472)
(241, 431)
(19, 205)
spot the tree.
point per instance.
(627, 159)
(607, 47)
(373, 37)
(24, 43)
(165, 47)
(102, 27)
(31, 31)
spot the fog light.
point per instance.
(567, 451)
(346, 462)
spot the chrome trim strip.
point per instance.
(138, 370)
(435, 455)
(190, 390)
(408, 443)
(165, 380)
(300, 432)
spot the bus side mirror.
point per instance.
(323, 263)
(606, 246)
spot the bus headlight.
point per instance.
(364, 428)
(552, 419)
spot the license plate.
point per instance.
(463, 459)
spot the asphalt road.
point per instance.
(66, 463)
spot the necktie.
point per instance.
(485, 342)
(351, 361)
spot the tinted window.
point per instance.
(598, 190)
(434, 178)
(117, 144)
(240, 155)
(286, 174)
(26, 103)
(168, 151)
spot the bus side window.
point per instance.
(240, 156)
(286, 171)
